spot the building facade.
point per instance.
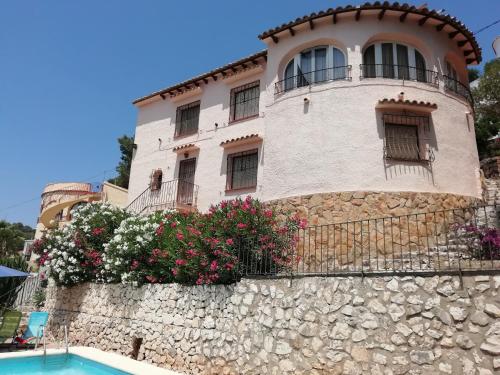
(60, 199)
(349, 113)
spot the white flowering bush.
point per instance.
(134, 245)
(74, 254)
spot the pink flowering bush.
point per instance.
(75, 253)
(234, 238)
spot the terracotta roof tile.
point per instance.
(239, 139)
(408, 102)
(404, 8)
(187, 146)
(205, 76)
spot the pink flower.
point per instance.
(134, 265)
(245, 206)
(151, 279)
(175, 271)
(268, 213)
(179, 236)
(229, 241)
(303, 223)
(156, 252)
(159, 230)
(235, 203)
(180, 262)
(97, 231)
(173, 224)
(199, 281)
(241, 225)
(191, 253)
(253, 211)
(213, 266)
(229, 266)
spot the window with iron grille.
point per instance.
(406, 137)
(242, 170)
(244, 101)
(401, 142)
(187, 118)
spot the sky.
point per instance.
(69, 71)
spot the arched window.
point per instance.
(315, 65)
(394, 60)
(156, 179)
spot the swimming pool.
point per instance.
(58, 364)
(79, 361)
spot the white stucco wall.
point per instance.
(333, 143)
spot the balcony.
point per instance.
(339, 73)
(458, 88)
(400, 72)
(170, 195)
(410, 73)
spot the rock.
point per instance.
(421, 357)
(484, 371)
(491, 346)
(398, 298)
(482, 279)
(209, 323)
(316, 344)
(403, 329)
(396, 312)
(398, 339)
(376, 307)
(379, 358)
(340, 331)
(282, 348)
(360, 354)
(446, 290)
(459, 314)
(393, 285)
(308, 329)
(412, 310)
(444, 317)
(468, 367)
(347, 310)
(445, 367)
(464, 342)
(492, 310)
(481, 288)
(496, 363)
(434, 334)
(479, 318)
(358, 301)
(447, 342)
(287, 365)
(358, 335)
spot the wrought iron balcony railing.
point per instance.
(174, 194)
(402, 72)
(457, 87)
(314, 77)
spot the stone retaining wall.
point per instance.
(327, 208)
(491, 167)
(391, 325)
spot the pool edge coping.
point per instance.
(110, 359)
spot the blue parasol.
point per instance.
(9, 272)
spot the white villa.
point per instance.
(352, 112)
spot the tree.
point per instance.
(473, 74)
(487, 107)
(12, 237)
(126, 148)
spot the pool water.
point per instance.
(60, 364)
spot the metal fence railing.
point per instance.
(454, 240)
(402, 72)
(169, 195)
(303, 79)
(457, 87)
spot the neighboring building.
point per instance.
(349, 113)
(61, 198)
